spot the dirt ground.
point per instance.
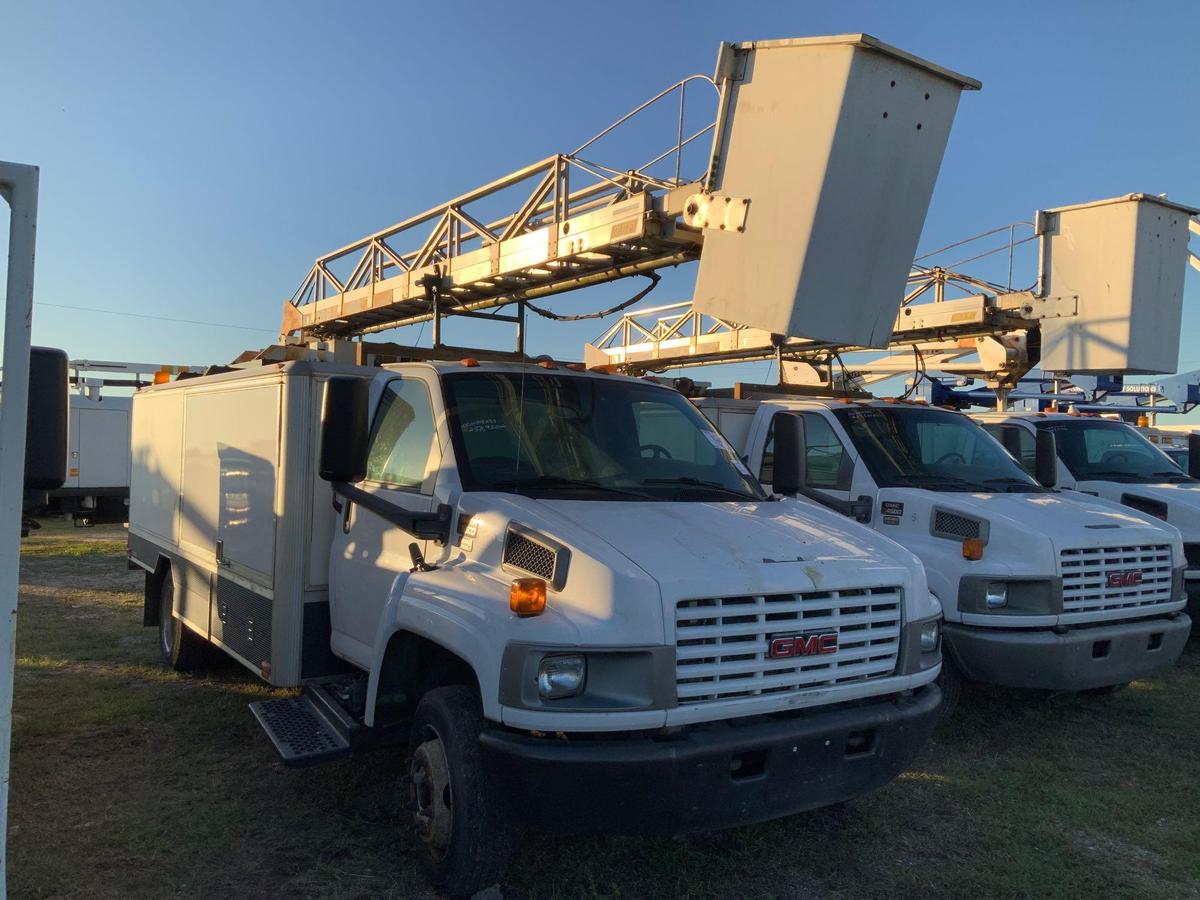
(132, 781)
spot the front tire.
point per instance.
(465, 836)
(181, 649)
(951, 681)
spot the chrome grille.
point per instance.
(721, 643)
(1086, 572)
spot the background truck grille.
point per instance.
(721, 642)
(1086, 572)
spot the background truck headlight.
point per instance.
(561, 676)
(996, 595)
(930, 632)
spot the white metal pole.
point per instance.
(19, 186)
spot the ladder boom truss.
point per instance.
(572, 223)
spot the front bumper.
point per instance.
(1079, 659)
(710, 777)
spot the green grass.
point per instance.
(46, 547)
(130, 781)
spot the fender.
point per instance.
(429, 621)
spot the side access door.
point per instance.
(369, 555)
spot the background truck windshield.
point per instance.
(1110, 451)
(928, 448)
(576, 437)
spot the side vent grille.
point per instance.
(951, 525)
(536, 554)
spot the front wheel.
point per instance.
(951, 681)
(465, 836)
(181, 649)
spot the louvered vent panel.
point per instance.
(523, 553)
(951, 525)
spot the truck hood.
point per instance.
(1069, 519)
(723, 549)
(1182, 500)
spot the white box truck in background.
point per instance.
(561, 588)
(1039, 588)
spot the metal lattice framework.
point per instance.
(575, 223)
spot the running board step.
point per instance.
(301, 731)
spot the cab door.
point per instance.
(369, 556)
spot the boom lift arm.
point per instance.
(1108, 287)
(569, 221)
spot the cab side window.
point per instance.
(1014, 437)
(403, 438)
(827, 465)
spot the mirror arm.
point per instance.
(859, 510)
(433, 526)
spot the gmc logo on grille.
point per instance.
(816, 644)
(1124, 579)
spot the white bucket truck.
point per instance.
(1113, 460)
(1039, 588)
(562, 588)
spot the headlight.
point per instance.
(996, 595)
(561, 676)
(929, 636)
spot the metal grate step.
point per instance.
(300, 732)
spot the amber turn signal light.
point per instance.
(527, 597)
(973, 548)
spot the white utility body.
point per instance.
(1111, 459)
(1022, 572)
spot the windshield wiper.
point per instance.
(924, 479)
(688, 481)
(557, 481)
(1010, 482)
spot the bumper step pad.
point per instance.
(300, 731)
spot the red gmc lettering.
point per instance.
(803, 645)
(1124, 579)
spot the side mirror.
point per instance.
(46, 423)
(789, 457)
(1194, 455)
(1045, 468)
(343, 453)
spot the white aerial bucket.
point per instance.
(1123, 260)
(836, 143)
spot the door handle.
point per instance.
(347, 508)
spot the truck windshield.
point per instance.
(586, 438)
(911, 446)
(1105, 450)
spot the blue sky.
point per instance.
(196, 157)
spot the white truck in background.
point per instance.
(96, 488)
(1039, 588)
(561, 588)
(1108, 458)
